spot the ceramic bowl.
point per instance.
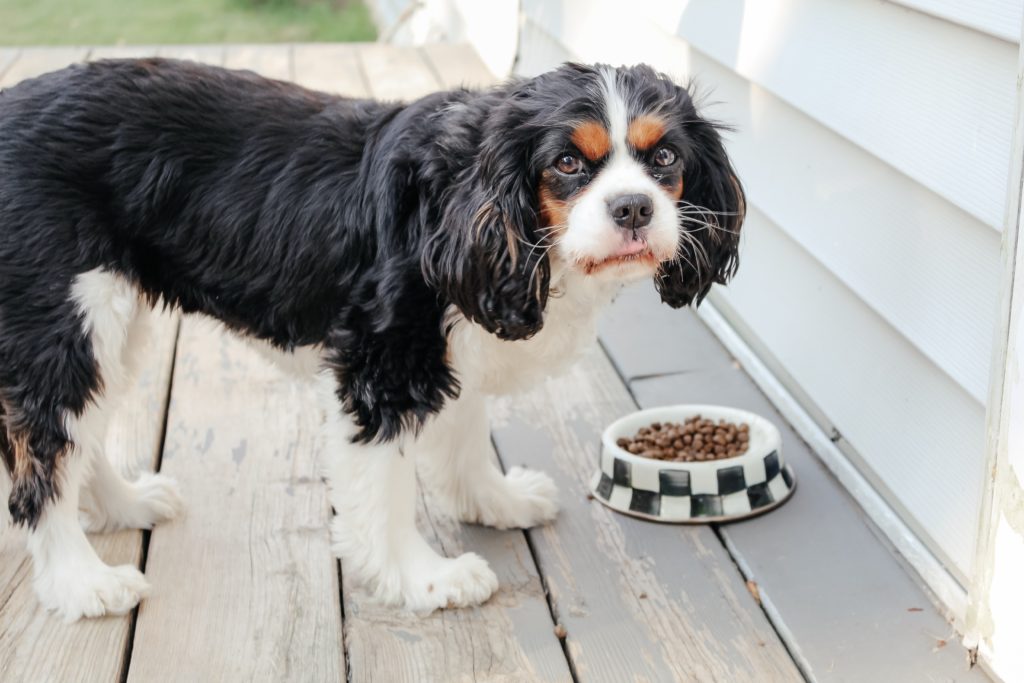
(704, 491)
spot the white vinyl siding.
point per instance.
(1000, 18)
(873, 139)
(928, 97)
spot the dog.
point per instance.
(407, 259)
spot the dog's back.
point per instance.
(167, 171)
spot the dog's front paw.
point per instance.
(94, 591)
(525, 499)
(464, 581)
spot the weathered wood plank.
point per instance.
(245, 584)
(33, 61)
(639, 600)
(136, 431)
(122, 52)
(511, 638)
(330, 68)
(272, 61)
(7, 58)
(457, 65)
(207, 54)
(264, 604)
(36, 646)
(831, 585)
(397, 73)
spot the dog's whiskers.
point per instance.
(540, 258)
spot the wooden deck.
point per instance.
(245, 587)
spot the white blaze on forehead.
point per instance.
(591, 235)
(616, 109)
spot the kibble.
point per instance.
(693, 440)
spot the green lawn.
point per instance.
(150, 22)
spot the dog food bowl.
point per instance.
(696, 492)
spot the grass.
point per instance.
(152, 22)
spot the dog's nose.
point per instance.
(631, 211)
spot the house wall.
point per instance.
(874, 140)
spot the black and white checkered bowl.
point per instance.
(704, 491)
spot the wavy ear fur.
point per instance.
(712, 195)
(486, 256)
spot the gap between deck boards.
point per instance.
(147, 533)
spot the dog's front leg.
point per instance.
(373, 492)
(461, 469)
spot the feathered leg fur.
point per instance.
(373, 491)
(461, 468)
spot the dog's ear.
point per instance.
(485, 255)
(712, 209)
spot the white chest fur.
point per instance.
(493, 366)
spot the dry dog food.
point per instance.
(694, 439)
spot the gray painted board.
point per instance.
(639, 600)
(849, 608)
(643, 340)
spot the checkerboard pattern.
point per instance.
(678, 493)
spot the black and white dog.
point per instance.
(408, 259)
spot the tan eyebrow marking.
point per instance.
(645, 131)
(591, 138)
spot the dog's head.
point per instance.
(611, 172)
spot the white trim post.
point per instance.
(995, 614)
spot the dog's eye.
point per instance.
(568, 164)
(664, 157)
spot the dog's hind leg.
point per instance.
(373, 492)
(51, 463)
(70, 578)
(109, 501)
(57, 414)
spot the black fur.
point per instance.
(292, 216)
(488, 259)
(710, 184)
